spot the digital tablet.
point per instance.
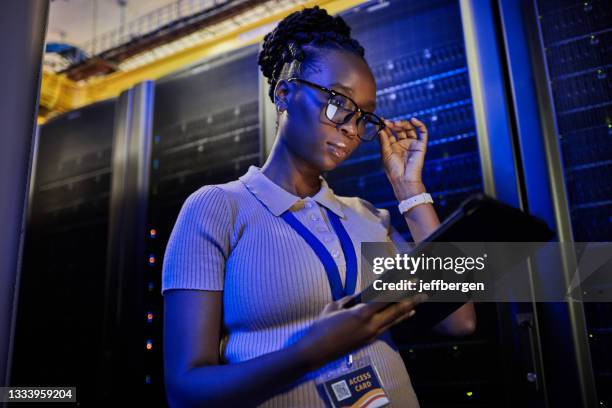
(479, 218)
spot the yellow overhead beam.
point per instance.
(60, 94)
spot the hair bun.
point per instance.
(312, 26)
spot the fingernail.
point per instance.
(411, 313)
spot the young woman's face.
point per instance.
(305, 128)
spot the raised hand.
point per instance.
(403, 145)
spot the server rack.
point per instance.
(423, 73)
(201, 109)
(206, 130)
(58, 337)
(122, 363)
(572, 42)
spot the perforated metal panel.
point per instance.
(58, 337)
(417, 54)
(206, 130)
(576, 37)
(423, 73)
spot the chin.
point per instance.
(329, 162)
(330, 165)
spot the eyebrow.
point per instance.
(348, 89)
(368, 105)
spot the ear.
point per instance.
(281, 91)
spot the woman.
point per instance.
(249, 315)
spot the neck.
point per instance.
(291, 172)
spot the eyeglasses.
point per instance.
(340, 109)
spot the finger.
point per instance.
(363, 310)
(396, 321)
(373, 307)
(389, 307)
(406, 304)
(386, 317)
(394, 312)
(391, 130)
(410, 129)
(422, 129)
(407, 127)
(385, 142)
(342, 301)
(337, 304)
(330, 307)
(401, 130)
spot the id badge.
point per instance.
(357, 386)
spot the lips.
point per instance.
(338, 149)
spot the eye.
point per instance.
(363, 119)
(341, 102)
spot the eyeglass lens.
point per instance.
(340, 110)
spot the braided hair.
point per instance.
(296, 39)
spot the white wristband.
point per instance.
(410, 202)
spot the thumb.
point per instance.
(342, 301)
(336, 304)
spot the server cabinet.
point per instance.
(423, 73)
(124, 326)
(206, 130)
(422, 70)
(572, 41)
(58, 338)
(576, 37)
(440, 62)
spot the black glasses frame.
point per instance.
(333, 93)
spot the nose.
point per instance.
(349, 128)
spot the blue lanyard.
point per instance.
(333, 275)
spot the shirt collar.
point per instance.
(278, 200)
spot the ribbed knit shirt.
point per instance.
(230, 237)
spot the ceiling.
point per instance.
(73, 22)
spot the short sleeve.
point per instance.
(383, 218)
(199, 244)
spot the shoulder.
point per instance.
(205, 197)
(215, 199)
(366, 209)
(223, 193)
